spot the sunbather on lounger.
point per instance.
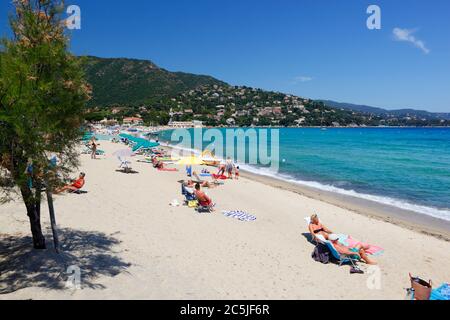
(202, 198)
(357, 252)
(316, 228)
(75, 185)
(203, 184)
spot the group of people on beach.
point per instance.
(228, 167)
(358, 251)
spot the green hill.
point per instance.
(133, 82)
(139, 87)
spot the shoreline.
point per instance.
(131, 243)
(411, 220)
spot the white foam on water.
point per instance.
(397, 203)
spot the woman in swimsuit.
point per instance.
(316, 228)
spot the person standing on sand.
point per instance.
(229, 168)
(94, 148)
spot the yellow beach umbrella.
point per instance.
(190, 161)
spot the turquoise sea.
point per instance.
(405, 167)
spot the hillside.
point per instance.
(129, 87)
(388, 113)
(134, 82)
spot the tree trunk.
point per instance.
(33, 211)
(51, 210)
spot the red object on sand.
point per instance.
(221, 177)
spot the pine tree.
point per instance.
(42, 100)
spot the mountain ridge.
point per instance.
(381, 111)
(140, 87)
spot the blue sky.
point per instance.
(316, 49)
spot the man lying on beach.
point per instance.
(75, 185)
(358, 252)
(203, 184)
(202, 198)
(157, 164)
(316, 228)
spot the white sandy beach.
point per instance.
(130, 244)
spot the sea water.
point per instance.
(404, 167)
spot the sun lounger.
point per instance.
(190, 196)
(341, 258)
(124, 164)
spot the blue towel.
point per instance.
(441, 293)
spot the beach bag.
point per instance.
(193, 204)
(321, 254)
(421, 288)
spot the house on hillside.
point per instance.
(133, 121)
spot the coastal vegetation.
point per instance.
(42, 104)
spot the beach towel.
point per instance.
(240, 215)
(441, 293)
(205, 174)
(168, 169)
(350, 242)
(221, 177)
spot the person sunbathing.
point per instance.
(203, 184)
(75, 185)
(316, 228)
(157, 164)
(357, 252)
(202, 198)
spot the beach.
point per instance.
(129, 243)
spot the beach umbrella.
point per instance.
(190, 161)
(124, 153)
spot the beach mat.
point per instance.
(168, 169)
(240, 215)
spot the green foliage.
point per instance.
(42, 98)
(135, 82)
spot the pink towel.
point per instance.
(372, 250)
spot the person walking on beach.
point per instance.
(229, 168)
(94, 148)
(236, 172)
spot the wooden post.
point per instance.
(51, 210)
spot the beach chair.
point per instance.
(341, 258)
(124, 165)
(188, 195)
